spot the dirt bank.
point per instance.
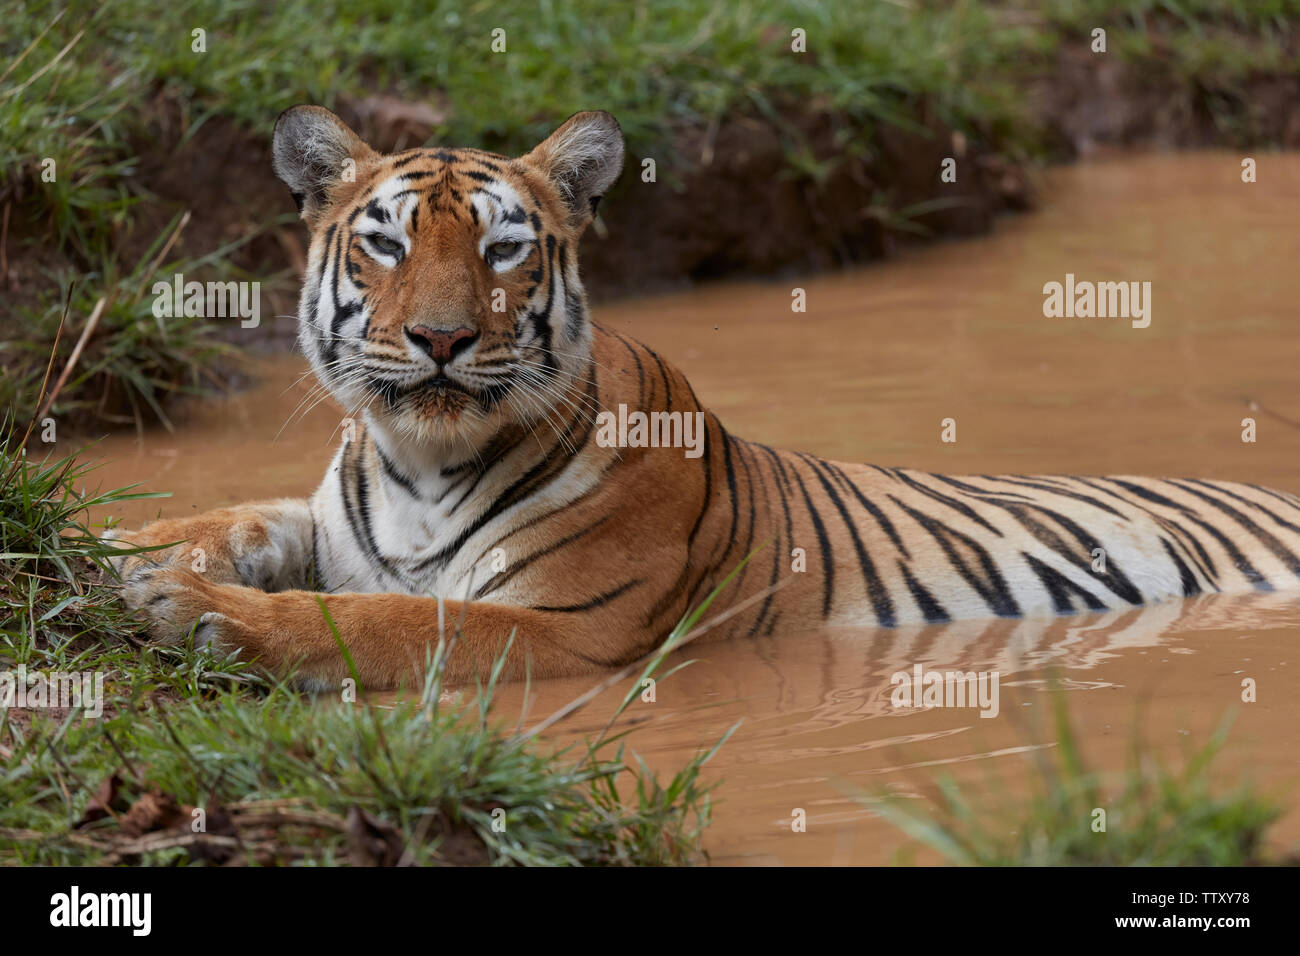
(725, 201)
(1088, 103)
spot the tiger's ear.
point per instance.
(582, 158)
(313, 152)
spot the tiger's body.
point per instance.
(474, 492)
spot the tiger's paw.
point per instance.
(229, 546)
(176, 602)
(125, 541)
(219, 633)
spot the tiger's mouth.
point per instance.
(434, 397)
(434, 384)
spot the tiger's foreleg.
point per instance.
(390, 637)
(265, 545)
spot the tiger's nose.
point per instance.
(441, 345)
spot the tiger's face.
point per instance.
(442, 292)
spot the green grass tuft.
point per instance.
(1154, 816)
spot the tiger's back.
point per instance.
(899, 547)
(864, 545)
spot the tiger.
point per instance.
(481, 500)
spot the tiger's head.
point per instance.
(442, 292)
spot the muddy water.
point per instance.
(880, 357)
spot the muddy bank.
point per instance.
(1088, 103)
(724, 200)
(729, 202)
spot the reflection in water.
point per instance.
(867, 374)
(818, 731)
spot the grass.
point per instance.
(293, 778)
(52, 563)
(140, 360)
(1154, 816)
(81, 92)
(653, 65)
(280, 778)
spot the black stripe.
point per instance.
(881, 602)
(640, 369)
(992, 587)
(1064, 493)
(781, 485)
(391, 471)
(356, 507)
(550, 466)
(753, 514)
(777, 556)
(730, 470)
(1060, 588)
(1285, 497)
(499, 579)
(1244, 500)
(1266, 538)
(969, 488)
(828, 565)
(881, 518)
(316, 574)
(1202, 557)
(313, 307)
(1190, 586)
(959, 506)
(341, 312)
(668, 390)
(1113, 577)
(930, 607)
(598, 601)
(671, 594)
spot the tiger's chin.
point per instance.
(443, 417)
(439, 416)
(439, 403)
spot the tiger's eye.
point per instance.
(390, 247)
(503, 250)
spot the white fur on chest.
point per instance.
(432, 539)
